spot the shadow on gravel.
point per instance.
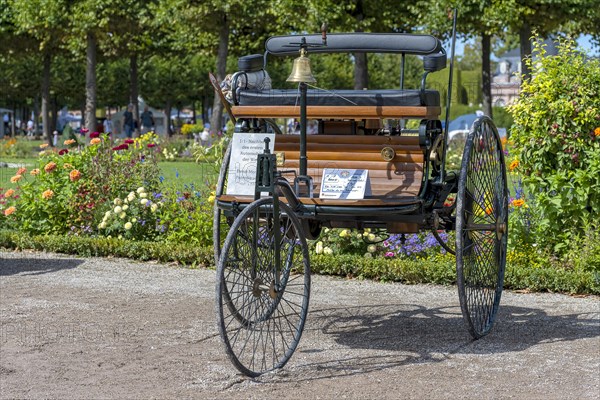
(396, 335)
(35, 266)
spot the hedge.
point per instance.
(439, 269)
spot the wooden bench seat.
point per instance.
(337, 112)
(400, 178)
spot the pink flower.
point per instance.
(94, 135)
(389, 254)
(129, 141)
(84, 130)
(151, 145)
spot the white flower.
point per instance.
(117, 201)
(344, 233)
(128, 226)
(372, 248)
(107, 214)
(118, 209)
(125, 207)
(377, 239)
(131, 196)
(327, 250)
(122, 215)
(144, 201)
(134, 220)
(371, 237)
(319, 248)
(140, 190)
(154, 207)
(143, 195)
(120, 237)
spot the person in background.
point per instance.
(205, 136)
(30, 129)
(6, 121)
(147, 120)
(128, 122)
(107, 124)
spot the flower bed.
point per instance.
(105, 189)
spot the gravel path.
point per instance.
(114, 328)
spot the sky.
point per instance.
(584, 41)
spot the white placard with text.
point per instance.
(351, 184)
(245, 148)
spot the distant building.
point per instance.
(506, 81)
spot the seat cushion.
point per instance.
(316, 97)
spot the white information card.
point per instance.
(245, 148)
(351, 184)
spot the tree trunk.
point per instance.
(54, 119)
(47, 61)
(486, 77)
(168, 131)
(133, 88)
(36, 113)
(525, 42)
(90, 85)
(217, 110)
(361, 71)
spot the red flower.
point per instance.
(94, 135)
(151, 145)
(121, 147)
(62, 152)
(84, 130)
(129, 141)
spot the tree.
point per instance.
(226, 25)
(483, 19)
(44, 22)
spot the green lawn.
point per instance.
(182, 173)
(178, 173)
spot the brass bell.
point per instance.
(301, 71)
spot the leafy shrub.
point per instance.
(190, 129)
(67, 189)
(213, 154)
(556, 135)
(185, 214)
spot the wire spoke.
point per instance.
(261, 328)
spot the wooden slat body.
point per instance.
(398, 178)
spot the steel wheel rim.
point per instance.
(482, 201)
(260, 332)
(220, 224)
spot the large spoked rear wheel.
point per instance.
(261, 310)
(221, 223)
(481, 227)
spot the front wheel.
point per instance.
(481, 227)
(262, 293)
